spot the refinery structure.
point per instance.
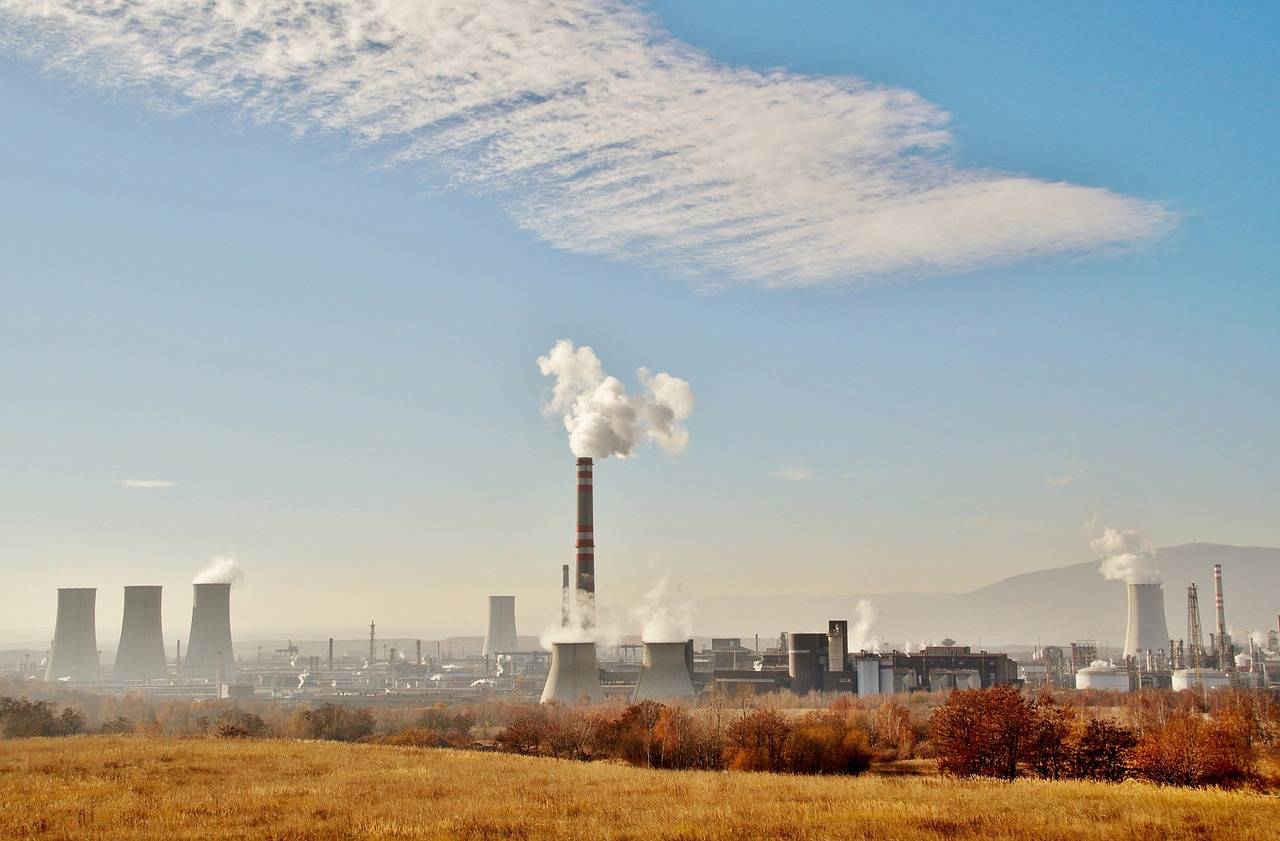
(577, 665)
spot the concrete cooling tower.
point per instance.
(74, 655)
(574, 673)
(1147, 630)
(210, 631)
(140, 655)
(665, 674)
(501, 637)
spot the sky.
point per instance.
(946, 287)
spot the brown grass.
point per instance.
(132, 787)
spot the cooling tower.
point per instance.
(501, 637)
(1147, 628)
(585, 543)
(140, 655)
(665, 674)
(210, 631)
(574, 673)
(75, 637)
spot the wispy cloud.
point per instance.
(1067, 477)
(599, 132)
(792, 474)
(147, 483)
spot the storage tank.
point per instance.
(1100, 675)
(574, 674)
(1200, 678)
(665, 674)
(806, 661)
(868, 676)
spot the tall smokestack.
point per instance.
(1226, 657)
(1146, 629)
(564, 595)
(140, 655)
(74, 654)
(501, 636)
(586, 543)
(330, 653)
(210, 636)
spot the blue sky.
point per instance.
(333, 358)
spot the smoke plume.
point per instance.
(665, 616)
(601, 418)
(860, 638)
(221, 570)
(1129, 557)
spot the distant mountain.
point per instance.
(1053, 606)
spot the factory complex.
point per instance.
(581, 666)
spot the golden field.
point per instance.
(137, 787)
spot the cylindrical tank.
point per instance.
(1198, 678)
(1099, 675)
(574, 674)
(210, 631)
(868, 676)
(665, 674)
(140, 655)
(1146, 629)
(74, 655)
(806, 661)
(501, 637)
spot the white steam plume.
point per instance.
(598, 131)
(665, 615)
(587, 623)
(1129, 557)
(221, 570)
(601, 418)
(860, 638)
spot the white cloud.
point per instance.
(599, 132)
(147, 483)
(792, 474)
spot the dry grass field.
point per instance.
(133, 787)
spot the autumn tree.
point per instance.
(755, 741)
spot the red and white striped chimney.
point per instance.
(1226, 660)
(585, 545)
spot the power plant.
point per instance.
(209, 648)
(501, 636)
(1147, 630)
(74, 654)
(140, 655)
